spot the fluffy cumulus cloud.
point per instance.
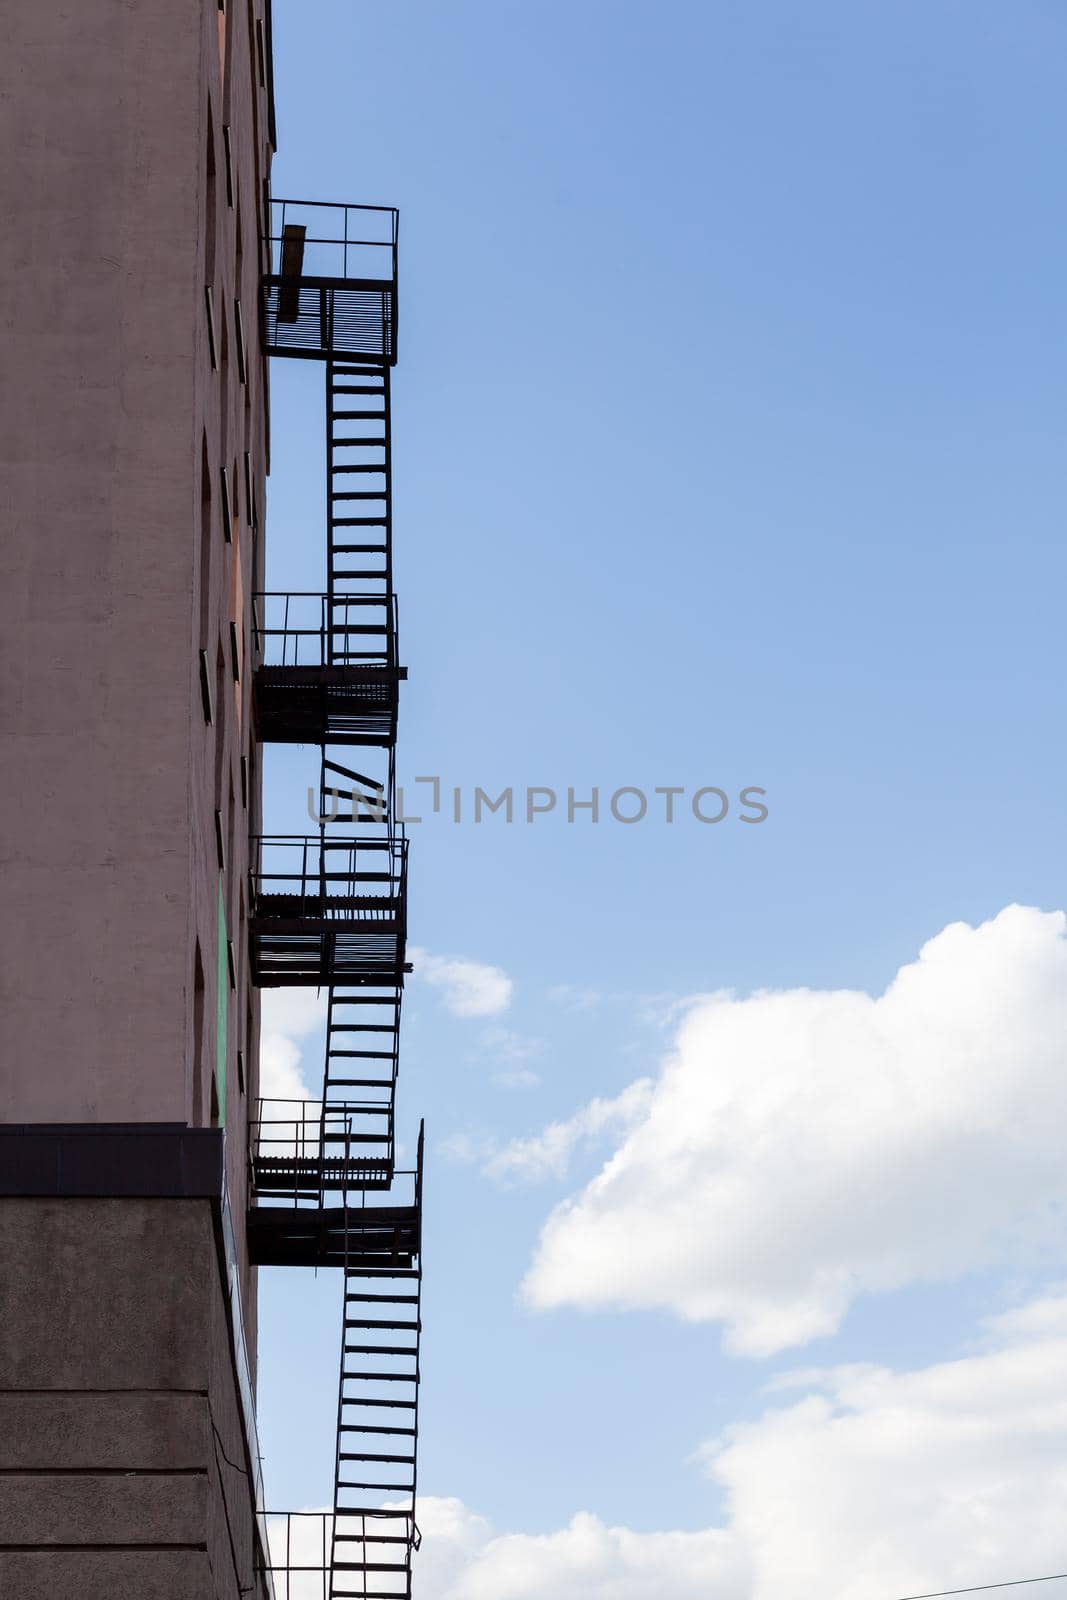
(877, 1483)
(290, 1018)
(856, 1483)
(468, 988)
(547, 1154)
(801, 1147)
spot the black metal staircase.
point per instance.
(378, 1430)
(330, 910)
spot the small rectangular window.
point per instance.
(227, 507)
(205, 686)
(250, 491)
(227, 148)
(209, 296)
(220, 844)
(239, 323)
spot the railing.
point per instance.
(300, 1149)
(300, 1542)
(298, 1557)
(340, 241)
(302, 628)
(342, 879)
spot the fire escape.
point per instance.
(328, 910)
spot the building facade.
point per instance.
(133, 452)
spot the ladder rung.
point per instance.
(367, 1511)
(366, 1427)
(369, 1566)
(392, 1405)
(357, 1483)
(356, 1083)
(378, 1538)
(363, 1027)
(358, 1455)
(389, 999)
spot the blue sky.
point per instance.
(727, 451)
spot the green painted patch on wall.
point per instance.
(223, 1018)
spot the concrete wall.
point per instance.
(123, 1469)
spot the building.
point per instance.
(146, 279)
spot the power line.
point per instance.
(1009, 1583)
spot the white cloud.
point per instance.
(513, 1053)
(587, 1560)
(288, 1015)
(802, 1147)
(891, 1483)
(470, 988)
(547, 1154)
(870, 1485)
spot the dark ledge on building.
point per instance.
(117, 1160)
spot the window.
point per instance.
(227, 507)
(210, 205)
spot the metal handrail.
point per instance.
(309, 868)
(333, 629)
(343, 239)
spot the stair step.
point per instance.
(357, 416)
(363, 1483)
(366, 1427)
(392, 1405)
(370, 1594)
(360, 1538)
(368, 1567)
(387, 999)
(367, 1511)
(358, 466)
(358, 1455)
(364, 1027)
(353, 1295)
(374, 1274)
(357, 1083)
